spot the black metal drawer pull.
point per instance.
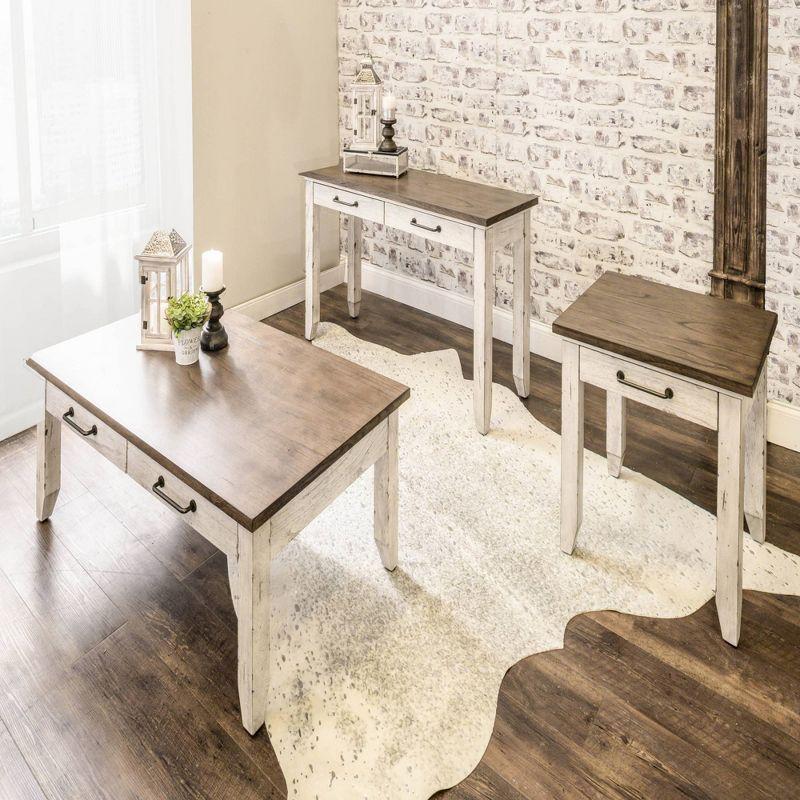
(67, 417)
(667, 394)
(437, 229)
(159, 485)
(354, 204)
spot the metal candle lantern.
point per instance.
(367, 96)
(163, 273)
(372, 150)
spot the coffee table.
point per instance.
(248, 445)
(700, 358)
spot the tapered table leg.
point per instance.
(354, 265)
(483, 284)
(233, 580)
(730, 510)
(616, 422)
(48, 465)
(251, 601)
(522, 310)
(755, 462)
(312, 263)
(386, 497)
(571, 446)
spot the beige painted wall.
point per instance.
(264, 93)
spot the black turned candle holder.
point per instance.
(387, 145)
(214, 337)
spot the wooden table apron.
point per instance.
(740, 422)
(250, 539)
(481, 241)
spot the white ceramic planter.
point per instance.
(187, 346)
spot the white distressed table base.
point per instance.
(354, 240)
(486, 242)
(741, 477)
(616, 423)
(48, 465)
(248, 566)
(386, 493)
(730, 516)
(483, 308)
(571, 446)
(312, 263)
(522, 310)
(251, 599)
(249, 553)
(755, 463)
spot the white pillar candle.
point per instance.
(212, 271)
(389, 107)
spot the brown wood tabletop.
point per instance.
(248, 427)
(452, 197)
(718, 342)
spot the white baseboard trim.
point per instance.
(18, 421)
(783, 420)
(783, 424)
(272, 302)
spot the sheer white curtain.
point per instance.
(95, 153)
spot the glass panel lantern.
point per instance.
(163, 273)
(367, 92)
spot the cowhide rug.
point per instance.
(384, 685)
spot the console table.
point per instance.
(248, 446)
(471, 217)
(698, 357)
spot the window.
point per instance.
(79, 140)
(9, 174)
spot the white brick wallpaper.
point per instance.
(783, 196)
(604, 108)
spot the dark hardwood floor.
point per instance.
(118, 641)
(651, 708)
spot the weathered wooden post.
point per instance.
(740, 191)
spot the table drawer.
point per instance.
(357, 205)
(196, 511)
(86, 425)
(429, 226)
(686, 400)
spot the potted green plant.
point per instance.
(186, 315)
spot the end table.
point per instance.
(698, 357)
